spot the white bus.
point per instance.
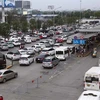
(62, 52)
(92, 79)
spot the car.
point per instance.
(4, 47)
(26, 59)
(13, 55)
(30, 50)
(49, 51)
(1, 97)
(17, 43)
(56, 45)
(10, 44)
(40, 58)
(6, 74)
(22, 42)
(36, 48)
(23, 52)
(69, 41)
(41, 45)
(50, 62)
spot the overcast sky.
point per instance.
(65, 4)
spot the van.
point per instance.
(92, 79)
(90, 95)
(26, 60)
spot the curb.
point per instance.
(8, 67)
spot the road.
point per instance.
(64, 82)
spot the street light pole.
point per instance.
(54, 16)
(80, 10)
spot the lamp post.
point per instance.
(54, 16)
(80, 10)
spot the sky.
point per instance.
(65, 4)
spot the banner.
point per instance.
(9, 3)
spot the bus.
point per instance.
(62, 52)
(92, 79)
(2, 61)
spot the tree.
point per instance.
(32, 24)
(4, 29)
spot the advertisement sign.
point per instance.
(9, 3)
(78, 41)
(0, 3)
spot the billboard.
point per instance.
(9, 3)
(22, 4)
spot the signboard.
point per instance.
(78, 41)
(9, 3)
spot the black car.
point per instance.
(41, 57)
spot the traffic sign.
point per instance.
(78, 41)
(81, 37)
(75, 37)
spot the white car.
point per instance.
(29, 50)
(36, 48)
(42, 45)
(26, 59)
(22, 52)
(49, 51)
(56, 45)
(69, 41)
(16, 43)
(13, 55)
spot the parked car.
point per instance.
(40, 58)
(4, 47)
(26, 59)
(23, 52)
(13, 55)
(36, 48)
(69, 41)
(50, 62)
(56, 45)
(6, 74)
(10, 44)
(17, 43)
(30, 50)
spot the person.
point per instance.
(21, 46)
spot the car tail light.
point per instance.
(0, 76)
(1, 98)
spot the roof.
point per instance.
(94, 70)
(49, 57)
(25, 55)
(3, 70)
(46, 48)
(90, 95)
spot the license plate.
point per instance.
(88, 84)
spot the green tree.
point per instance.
(4, 29)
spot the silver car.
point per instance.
(50, 62)
(7, 74)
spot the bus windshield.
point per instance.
(59, 52)
(91, 79)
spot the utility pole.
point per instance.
(3, 12)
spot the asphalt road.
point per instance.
(64, 82)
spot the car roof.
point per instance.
(47, 48)
(50, 57)
(3, 70)
(25, 55)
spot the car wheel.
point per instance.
(15, 75)
(4, 80)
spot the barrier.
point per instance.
(8, 67)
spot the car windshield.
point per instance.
(23, 58)
(47, 60)
(59, 52)
(91, 79)
(0, 73)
